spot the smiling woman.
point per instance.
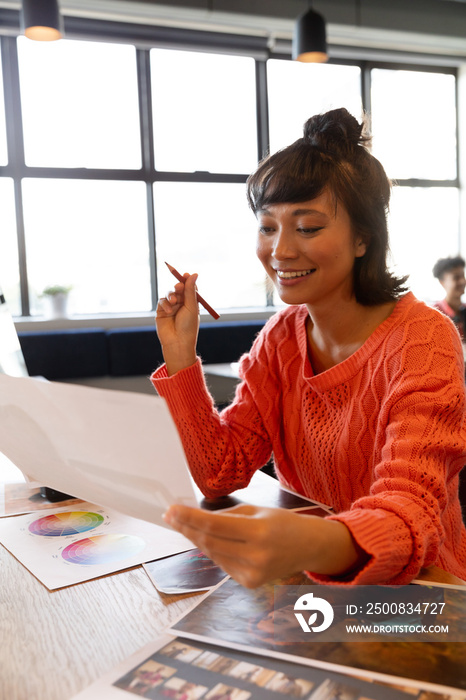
(309, 250)
(357, 388)
(332, 159)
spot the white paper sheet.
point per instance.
(118, 449)
(69, 545)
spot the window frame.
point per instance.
(144, 39)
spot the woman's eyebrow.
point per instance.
(296, 212)
(300, 212)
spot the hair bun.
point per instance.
(336, 131)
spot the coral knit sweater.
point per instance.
(380, 437)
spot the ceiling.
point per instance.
(421, 26)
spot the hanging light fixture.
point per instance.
(309, 38)
(41, 20)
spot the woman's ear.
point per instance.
(361, 248)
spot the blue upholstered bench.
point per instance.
(137, 350)
(120, 352)
(63, 354)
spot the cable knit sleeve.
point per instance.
(223, 449)
(412, 508)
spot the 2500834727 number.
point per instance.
(399, 608)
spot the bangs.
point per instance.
(290, 175)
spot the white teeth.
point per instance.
(290, 275)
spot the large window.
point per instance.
(79, 104)
(414, 123)
(208, 227)
(417, 146)
(299, 90)
(204, 112)
(3, 145)
(9, 259)
(115, 158)
(423, 228)
(91, 234)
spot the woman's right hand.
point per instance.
(177, 323)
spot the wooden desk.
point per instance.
(55, 643)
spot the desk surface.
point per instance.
(55, 643)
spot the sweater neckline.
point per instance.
(347, 368)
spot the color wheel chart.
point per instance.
(62, 524)
(72, 545)
(103, 549)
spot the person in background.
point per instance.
(450, 274)
(356, 387)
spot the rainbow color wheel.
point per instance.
(103, 549)
(61, 524)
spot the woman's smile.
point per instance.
(291, 277)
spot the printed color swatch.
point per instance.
(103, 549)
(61, 524)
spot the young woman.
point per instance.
(357, 388)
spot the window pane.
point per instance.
(424, 226)
(417, 139)
(9, 270)
(209, 229)
(91, 235)
(3, 148)
(204, 112)
(297, 91)
(80, 104)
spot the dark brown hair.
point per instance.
(446, 265)
(333, 155)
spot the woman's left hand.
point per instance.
(257, 545)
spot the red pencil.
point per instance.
(202, 301)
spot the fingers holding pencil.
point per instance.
(174, 299)
(183, 295)
(177, 322)
(200, 299)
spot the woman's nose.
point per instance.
(284, 246)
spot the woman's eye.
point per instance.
(265, 229)
(309, 230)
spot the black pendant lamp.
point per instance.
(41, 20)
(310, 38)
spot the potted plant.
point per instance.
(58, 299)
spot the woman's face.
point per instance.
(308, 250)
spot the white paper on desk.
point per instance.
(74, 544)
(118, 449)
